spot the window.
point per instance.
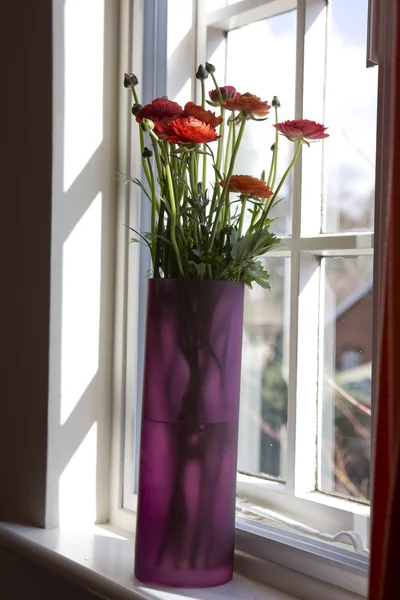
(305, 424)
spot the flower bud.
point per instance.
(201, 73)
(275, 102)
(227, 91)
(147, 125)
(130, 80)
(147, 153)
(273, 148)
(210, 68)
(136, 108)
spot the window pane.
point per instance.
(263, 416)
(351, 107)
(261, 59)
(345, 411)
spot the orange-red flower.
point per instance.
(248, 186)
(160, 111)
(248, 103)
(302, 129)
(199, 113)
(188, 130)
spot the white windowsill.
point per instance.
(100, 559)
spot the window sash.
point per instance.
(298, 495)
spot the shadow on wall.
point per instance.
(85, 38)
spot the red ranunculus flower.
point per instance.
(228, 91)
(199, 113)
(302, 129)
(248, 103)
(160, 111)
(189, 130)
(248, 186)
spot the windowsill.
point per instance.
(101, 559)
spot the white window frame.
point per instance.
(297, 497)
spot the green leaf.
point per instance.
(184, 148)
(218, 172)
(233, 237)
(254, 244)
(255, 272)
(136, 181)
(142, 237)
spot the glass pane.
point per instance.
(263, 416)
(272, 41)
(345, 411)
(351, 108)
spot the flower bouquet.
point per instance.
(209, 227)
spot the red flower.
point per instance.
(248, 103)
(160, 111)
(248, 186)
(228, 91)
(302, 129)
(199, 113)
(189, 130)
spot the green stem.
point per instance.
(153, 215)
(141, 137)
(233, 159)
(227, 215)
(220, 151)
(225, 191)
(242, 213)
(204, 177)
(222, 127)
(234, 130)
(257, 209)
(228, 147)
(159, 242)
(193, 185)
(271, 169)
(286, 173)
(155, 142)
(275, 151)
(173, 210)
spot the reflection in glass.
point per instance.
(273, 42)
(345, 410)
(262, 435)
(351, 107)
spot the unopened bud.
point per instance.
(201, 73)
(136, 108)
(130, 80)
(210, 68)
(147, 125)
(273, 147)
(275, 102)
(147, 153)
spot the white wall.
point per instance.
(86, 84)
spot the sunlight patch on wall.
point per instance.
(77, 485)
(184, 94)
(83, 84)
(180, 20)
(81, 280)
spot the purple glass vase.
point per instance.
(188, 450)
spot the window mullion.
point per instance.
(314, 75)
(295, 262)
